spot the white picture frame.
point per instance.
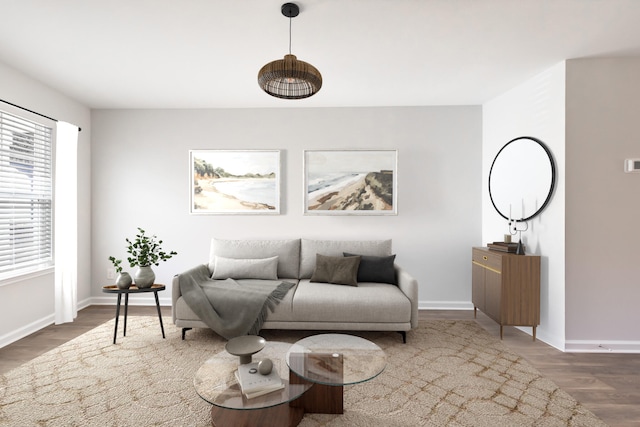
(350, 182)
(234, 182)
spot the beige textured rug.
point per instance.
(450, 373)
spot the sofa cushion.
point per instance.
(287, 251)
(231, 268)
(336, 270)
(365, 303)
(309, 248)
(380, 269)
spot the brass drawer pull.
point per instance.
(486, 267)
(484, 257)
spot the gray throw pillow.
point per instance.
(379, 269)
(336, 270)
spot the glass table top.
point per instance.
(336, 359)
(216, 382)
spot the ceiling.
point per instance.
(206, 53)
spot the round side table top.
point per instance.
(113, 289)
(336, 359)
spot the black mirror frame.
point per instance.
(551, 187)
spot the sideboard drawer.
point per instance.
(493, 261)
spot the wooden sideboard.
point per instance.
(506, 287)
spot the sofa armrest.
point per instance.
(409, 286)
(175, 295)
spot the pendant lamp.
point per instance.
(290, 78)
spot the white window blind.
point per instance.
(26, 195)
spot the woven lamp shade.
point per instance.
(289, 78)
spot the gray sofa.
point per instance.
(370, 306)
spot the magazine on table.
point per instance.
(254, 384)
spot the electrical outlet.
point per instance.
(111, 273)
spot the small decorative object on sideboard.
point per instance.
(511, 247)
(145, 251)
(123, 281)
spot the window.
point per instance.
(26, 196)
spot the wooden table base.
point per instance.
(319, 399)
(275, 416)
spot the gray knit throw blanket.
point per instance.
(231, 307)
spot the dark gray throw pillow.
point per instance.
(336, 270)
(379, 269)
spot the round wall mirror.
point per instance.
(522, 179)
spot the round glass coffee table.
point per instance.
(331, 361)
(216, 383)
(314, 371)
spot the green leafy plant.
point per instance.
(116, 264)
(146, 250)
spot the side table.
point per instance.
(113, 289)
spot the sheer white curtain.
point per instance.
(66, 223)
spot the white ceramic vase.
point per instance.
(144, 277)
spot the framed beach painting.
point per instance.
(350, 182)
(235, 181)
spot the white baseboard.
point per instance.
(593, 346)
(445, 305)
(34, 326)
(26, 330)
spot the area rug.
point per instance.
(450, 373)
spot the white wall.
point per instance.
(28, 305)
(140, 178)
(534, 108)
(602, 251)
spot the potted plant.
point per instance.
(123, 281)
(145, 251)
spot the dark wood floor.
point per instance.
(607, 384)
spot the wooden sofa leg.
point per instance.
(184, 331)
(404, 336)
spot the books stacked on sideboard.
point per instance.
(254, 384)
(503, 247)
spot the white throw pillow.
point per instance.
(232, 268)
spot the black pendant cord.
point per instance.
(32, 112)
(290, 35)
